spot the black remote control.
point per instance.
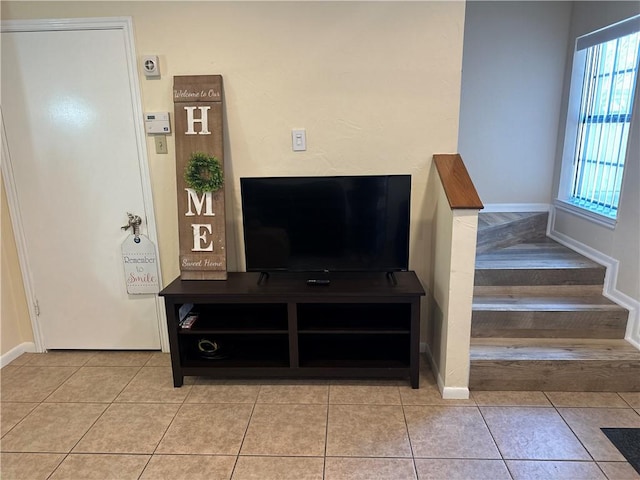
(318, 283)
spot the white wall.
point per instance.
(621, 244)
(513, 68)
(375, 84)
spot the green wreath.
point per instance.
(203, 173)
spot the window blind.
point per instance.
(620, 29)
(604, 121)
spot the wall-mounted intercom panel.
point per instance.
(157, 122)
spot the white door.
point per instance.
(75, 148)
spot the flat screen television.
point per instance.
(325, 224)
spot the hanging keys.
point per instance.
(134, 223)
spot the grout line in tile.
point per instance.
(91, 426)
(591, 406)
(506, 465)
(176, 454)
(147, 463)
(278, 455)
(575, 434)
(80, 368)
(77, 369)
(127, 384)
(57, 467)
(262, 455)
(601, 470)
(624, 400)
(150, 357)
(406, 426)
(549, 400)
(23, 418)
(172, 420)
(399, 458)
(168, 425)
(66, 455)
(493, 438)
(326, 435)
(246, 429)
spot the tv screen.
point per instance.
(311, 224)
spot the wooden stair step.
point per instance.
(499, 230)
(489, 220)
(546, 303)
(541, 254)
(538, 290)
(539, 276)
(552, 349)
(554, 364)
(538, 317)
(542, 263)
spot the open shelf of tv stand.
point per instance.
(361, 325)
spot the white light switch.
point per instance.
(299, 139)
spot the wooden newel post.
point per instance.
(198, 132)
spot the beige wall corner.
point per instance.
(15, 324)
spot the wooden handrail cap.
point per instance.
(458, 186)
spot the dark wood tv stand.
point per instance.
(361, 325)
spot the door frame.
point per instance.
(125, 25)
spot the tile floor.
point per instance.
(116, 415)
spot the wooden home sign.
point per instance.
(199, 155)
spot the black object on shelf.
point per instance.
(212, 349)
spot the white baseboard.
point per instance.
(587, 251)
(455, 393)
(515, 207)
(448, 393)
(611, 264)
(15, 352)
(452, 393)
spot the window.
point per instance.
(604, 81)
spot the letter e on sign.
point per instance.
(200, 237)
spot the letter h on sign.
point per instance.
(203, 121)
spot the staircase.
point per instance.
(539, 319)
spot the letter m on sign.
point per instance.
(197, 203)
